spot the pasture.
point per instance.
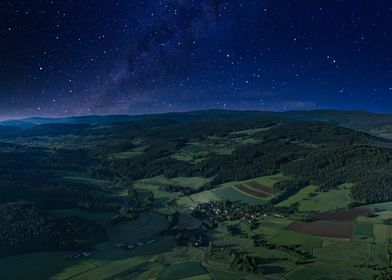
(362, 229)
(186, 270)
(341, 259)
(128, 154)
(345, 215)
(84, 179)
(191, 182)
(258, 192)
(382, 233)
(251, 191)
(233, 194)
(386, 206)
(327, 201)
(323, 228)
(295, 238)
(239, 239)
(271, 226)
(299, 196)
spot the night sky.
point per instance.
(61, 58)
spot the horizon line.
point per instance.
(5, 119)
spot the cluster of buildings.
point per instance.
(219, 211)
(214, 212)
(133, 245)
(77, 255)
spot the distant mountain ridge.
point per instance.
(373, 123)
(29, 122)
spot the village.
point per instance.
(214, 212)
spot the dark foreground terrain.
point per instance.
(199, 195)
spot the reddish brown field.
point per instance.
(250, 191)
(261, 187)
(323, 228)
(344, 216)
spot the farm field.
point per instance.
(194, 199)
(233, 194)
(184, 271)
(85, 179)
(262, 188)
(241, 191)
(377, 218)
(323, 228)
(268, 181)
(295, 238)
(344, 215)
(386, 206)
(336, 261)
(363, 229)
(191, 182)
(271, 226)
(338, 224)
(327, 201)
(228, 275)
(343, 259)
(194, 152)
(227, 191)
(251, 191)
(382, 233)
(298, 197)
(251, 131)
(225, 238)
(128, 154)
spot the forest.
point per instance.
(26, 228)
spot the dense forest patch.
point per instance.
(25, 228)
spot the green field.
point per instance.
(271, 226)
(363, 229)
(128, 154)
(228, 191)
(233, 194)
(342, 260)
(251, 131)
(194, 152)
(298, 197)
(382, 206)
(223, 238)
(294, 238)
(309, 272)
(192, 200)
(327, 201)
(85, 179)
(232, 275)
(382, 233)
(182, 271)
(191, 182)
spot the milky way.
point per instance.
(61, 58)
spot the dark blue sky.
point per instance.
(62, 58)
